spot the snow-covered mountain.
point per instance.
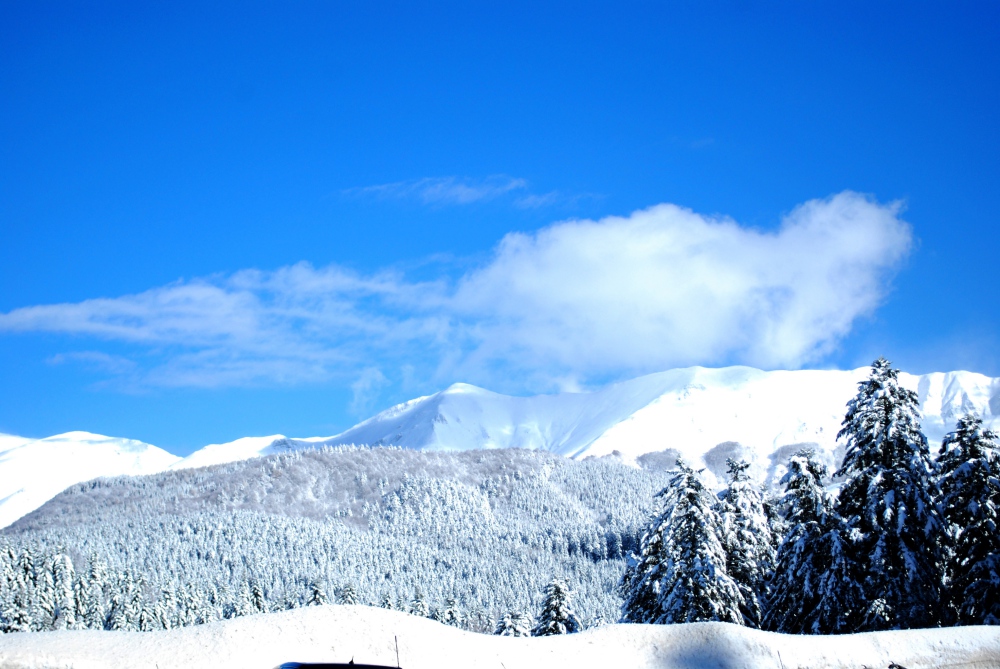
(704, 415)
(34, 471)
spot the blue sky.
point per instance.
(251, 218)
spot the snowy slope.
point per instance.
(9, 441)
(34, 471)
(370, 635)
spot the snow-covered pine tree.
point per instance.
(8, 560)
(557, 616)
(680, 574)
(45, 597)
(514, 623)
(747, 539)
(94, 598)
(812, 590)
(969, 481)
(889, 499)
(258, 598)
(18, 615)
(134, 602)
(317, 593)
(167, 607)
(450, 614)
(26, 567)
(64, 577)
(348, 595)
(149, 618)
(418, 606)
(116, 619)
(243, 602)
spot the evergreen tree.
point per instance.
(680, 573)
(95, 603)
(418, 606)
(133, 601)
(317, 594)
(258, 598)
(149, 618)
(64, 577)
(167, 607)
(889, 499)
(557, 615)
(8, 560)
(513, 624)
(45, 597)
(117, 619)
(812, 590)
(747, 539)
(26, 567)
(348, 595)
(18, 615)
(969, 471)
(243, 604)
(450, 614)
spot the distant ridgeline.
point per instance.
(486, 539)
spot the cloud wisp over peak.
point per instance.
(573, 303)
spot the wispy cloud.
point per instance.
(531, 201)
(98, 360)
(454, 191)
(365, 391)
(445, 190)
(576, 301)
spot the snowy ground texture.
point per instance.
(342, 633)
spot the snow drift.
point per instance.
(370, 635)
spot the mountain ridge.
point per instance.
(704, 415)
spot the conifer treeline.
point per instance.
(907, 543)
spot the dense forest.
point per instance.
(485, 530)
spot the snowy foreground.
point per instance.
(340, 633)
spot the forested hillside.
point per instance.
(485, 529)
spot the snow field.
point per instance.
(340, 633)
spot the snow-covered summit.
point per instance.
(705, 415)
(240, 449)
(34, 471)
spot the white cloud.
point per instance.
(666, 286)
(576, 301)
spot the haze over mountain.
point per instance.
(704, 415)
